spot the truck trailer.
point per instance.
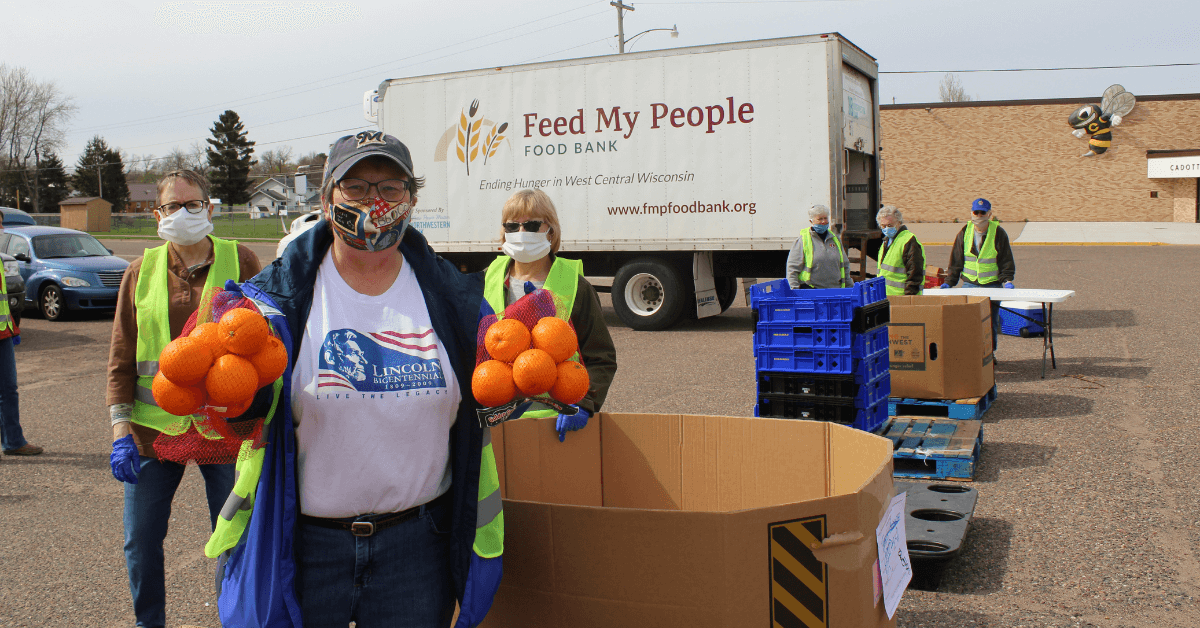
(675, 172)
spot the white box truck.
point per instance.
(675, 172)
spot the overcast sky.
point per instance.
(148, 76)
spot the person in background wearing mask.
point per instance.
(983, 257)
(530, 237)
(12, 437)
(817, 259)
(159, 292)
(376, 497)
(901, 255)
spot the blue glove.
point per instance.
(529, 287)
(232, 286)
(1008, 284)
(124, 459)
(571, 422)
(483, 579)
(944, 286)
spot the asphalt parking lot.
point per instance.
(1087, 515)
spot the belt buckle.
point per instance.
(362, 528)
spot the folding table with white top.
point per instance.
(1046, 297)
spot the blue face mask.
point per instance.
(889, 232)
(820, 229)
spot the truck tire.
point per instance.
(726, 291)
(648, 295)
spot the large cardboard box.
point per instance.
(940, 347)
(696, 521)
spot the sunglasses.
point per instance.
(529, 225)
(978, 212)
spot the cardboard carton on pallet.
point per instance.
(940, 347)
(696, 521)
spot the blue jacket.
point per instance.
(256, 578)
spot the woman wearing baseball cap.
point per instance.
(983, 259)
(365, 506)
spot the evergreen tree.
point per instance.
(53, 181)
(101, 172)
(230, 159)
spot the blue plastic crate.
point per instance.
(1011, 324)
(861, 293)
(817, 360)
(820, 335)
(785, 407)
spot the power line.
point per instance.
(1092, 67)
(290, 92)
(295, 93)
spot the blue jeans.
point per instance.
(147, 511)
(398, 577)
(11, 436)
(995, 309)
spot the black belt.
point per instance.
(359, 526)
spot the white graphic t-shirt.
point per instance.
(373, 397)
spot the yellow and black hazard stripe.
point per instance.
(799, 582)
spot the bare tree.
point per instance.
(198, 158)
(951, 90)
(33, 116)
(276, 161)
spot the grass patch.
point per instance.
(231, 225)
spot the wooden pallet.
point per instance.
(969, 409)
(933, 448)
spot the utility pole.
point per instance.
(100, 178)
(621, 8)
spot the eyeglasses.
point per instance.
(529, 225)
(391, 190)
(193, 207)
(979, 212)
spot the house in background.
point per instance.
(143, 198)
(278, 193)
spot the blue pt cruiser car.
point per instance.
(64, 269)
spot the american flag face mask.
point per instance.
(374, 225)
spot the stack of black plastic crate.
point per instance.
(822, 354)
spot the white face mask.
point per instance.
(185, 228)
(981, 221)
(526, 247)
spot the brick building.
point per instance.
(1021, 156)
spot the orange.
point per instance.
(231, 380)
(185, 361)
(492, 383)
(234, 409)
(209, 335)
(555, 336)
(534, 372)
(572, 383)
(243, 331)
(176, 399)
(506, 339)
(271, 361)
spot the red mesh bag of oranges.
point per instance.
(209, 375)
(529, 353)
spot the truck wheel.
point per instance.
(726, 291)
(648, 295)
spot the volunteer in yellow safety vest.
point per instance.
(901, 256)
(817, 259)
(375, 497)
(530, 238)
(158, 293)
(983, 259)
(11, 435)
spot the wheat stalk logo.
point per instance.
(468, 135)
(492, 143)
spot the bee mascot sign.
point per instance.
(1098, 120)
